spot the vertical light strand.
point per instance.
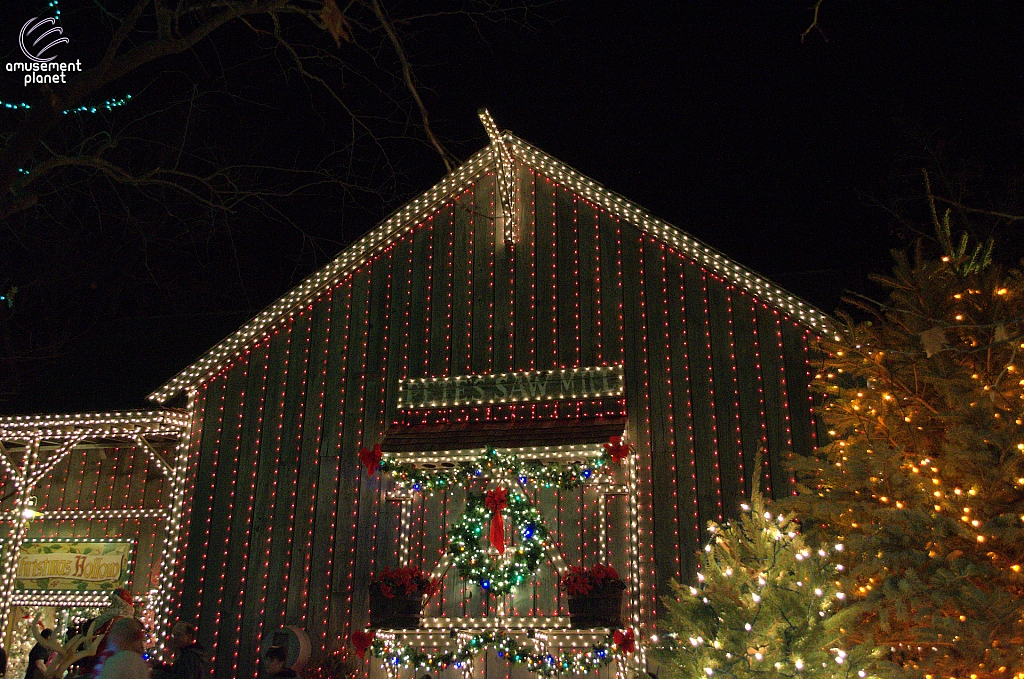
(578, 342)
(384, 368)
(644, 453)
(685, 369)
(250, 501)
(554, 274)
(733, 370)
(765, 471)
(447, 370)
(599, 340)
(181, 521)
(670, 445)
(490, 257)
(296, 446)
(235, 425)
(534, 312)
(511, 267)
(428, 307)
(705, 296)
(327, 303)
(784, 405)
(805, 347)
(354, 482)
(219, 410)
(471, 319)
(272, 500)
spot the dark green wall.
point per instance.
(286, 528)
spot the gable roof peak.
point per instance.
(500, 155)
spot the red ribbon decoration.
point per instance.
(497, 500)
(624, 640)
(371, 459)
(362, 641)
(616, 449)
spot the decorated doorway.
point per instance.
(514, 539)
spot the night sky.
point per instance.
(800, 160)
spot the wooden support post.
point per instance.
(404, 502)
(172, 525)
(19, 528)
(506, 185)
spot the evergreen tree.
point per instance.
(765, 605)
(923, 477)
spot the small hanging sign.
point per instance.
(76, 565)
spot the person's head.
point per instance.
(46, 633)
(182, 635)
(277, 657)
(126, 634)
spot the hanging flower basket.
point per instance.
(595, 596)
(396, 597)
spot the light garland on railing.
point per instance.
(545, 664)
(554, 474)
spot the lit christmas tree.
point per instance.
(923, 478)
(765, 605)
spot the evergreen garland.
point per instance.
(547, 474)
(546, 665)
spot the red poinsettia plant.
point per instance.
(582, 581)
(409, 580)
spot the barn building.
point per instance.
(516, 328)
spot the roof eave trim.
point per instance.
(813, 319)
(351, 258)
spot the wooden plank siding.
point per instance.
(121, 476)
(287, 528)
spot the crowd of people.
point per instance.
(124, 656)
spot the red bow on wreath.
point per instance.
(362, 641)
(496, 501)
(616, 449)
(624, 640)
(371, 459)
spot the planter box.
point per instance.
(398, 612)
(600, 608)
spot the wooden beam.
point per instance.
(58, 456)
(506, 189)
(8, 462)
(154, 453)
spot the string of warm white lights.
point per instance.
(97, 514)
(47, 442)
(406, 219)
(494, 462)
(401, 222)
(595, 653)
(700, 252)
